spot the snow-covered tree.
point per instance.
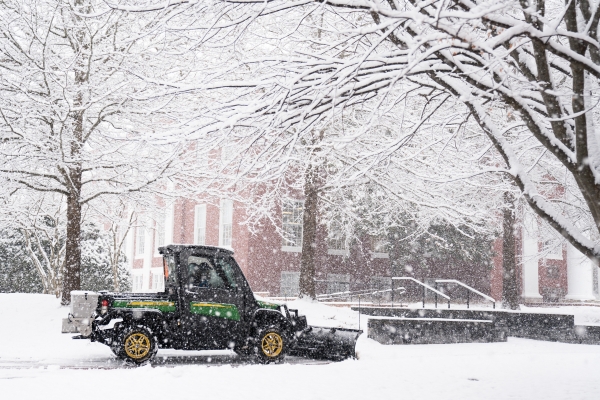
(34, 240)
(76, 119)
(527, 72)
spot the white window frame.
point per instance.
(137, 283)
(157, 282)
(289, 285)
(140, 241)
(337, 246)
(294, 221)
(200, 224)
(552, 249)
(226, 223)
(552, 244)
(377, 243)
(337, 283)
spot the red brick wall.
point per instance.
(496, 272)
(266, 261)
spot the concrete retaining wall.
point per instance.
(433, 330)
(540, 326)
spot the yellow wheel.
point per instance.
(137, 345)
(272, 344)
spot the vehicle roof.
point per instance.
(209, 249)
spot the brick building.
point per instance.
(550, 270)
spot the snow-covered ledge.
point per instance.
(379, 255)
(338, 252)
(580, 276)
(292, 249)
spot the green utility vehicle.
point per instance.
(207, 304)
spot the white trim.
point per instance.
(338, 252)
(289, 207)
(139, 276)
(129, 247)
(291, 249)
(157, 231)
(226, 223)
(380, 255)
(170, 218)
(155, 273)
(169, 223)
(138, 254)
(148, 250)
(199, 223)
(530, 257)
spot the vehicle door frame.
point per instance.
(207, 328)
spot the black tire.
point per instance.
(135, 344)
(270, 345)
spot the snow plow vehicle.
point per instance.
(207, 304)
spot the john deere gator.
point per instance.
(207, 304)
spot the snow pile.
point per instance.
(319, 314)
(31, 331)
(38, 362)
(583, 315)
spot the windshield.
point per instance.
(203, 274)
(210, 272)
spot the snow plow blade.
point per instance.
(327, 343)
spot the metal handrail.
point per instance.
(469, 288)
(425, 287)
(342, 293)
(358, 293)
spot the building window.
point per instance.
(337, 243)
(140, 240)
(200, 224)
(552, 247)
(137, 283)
(379, 247)
(552, 271)
(226, 223)
(381, 283)
(290, 283)
(157, 281)
(160, 229)
(338, 283)
(292, 216)
(381, 288)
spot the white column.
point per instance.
(169, 223)
(129, 251)
(580, 275)
(148, 252)
(129, 248)
(531, 291)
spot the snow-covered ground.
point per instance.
(37, 362)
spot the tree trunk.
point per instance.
(510, 293)
(72, 274)
(309, 234)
